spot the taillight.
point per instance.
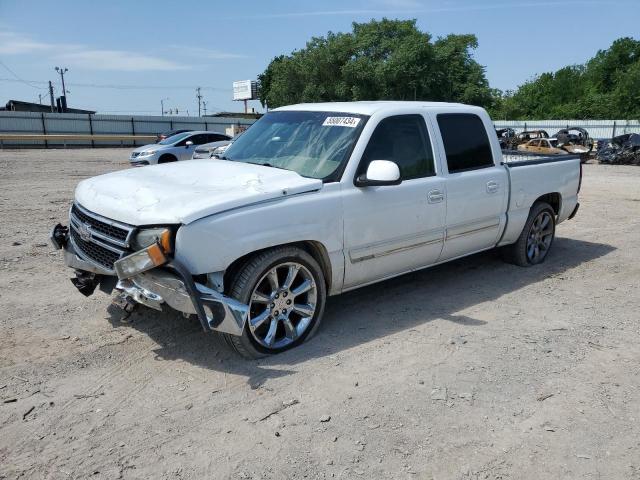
(580, 181)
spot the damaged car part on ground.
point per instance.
(621, 150)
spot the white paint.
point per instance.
(183, 192)
(230, 209)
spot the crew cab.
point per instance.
(311, 201)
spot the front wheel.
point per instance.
(536, 238)
(285, 290)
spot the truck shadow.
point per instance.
(372, 312)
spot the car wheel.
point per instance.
(536, 238)
(286, 293)
(167, 159)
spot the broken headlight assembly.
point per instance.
(153, 247)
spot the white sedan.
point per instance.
(174, 148)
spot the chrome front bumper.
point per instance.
(173, 286)
(215, 310)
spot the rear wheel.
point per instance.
(536, 238)
(285, 290)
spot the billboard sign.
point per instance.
(245, 90)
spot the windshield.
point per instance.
(174, 139)
(313, 144)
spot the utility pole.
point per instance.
(204, 107)
(199, 97)
(40, 98)
(51, 96)
(162, 106)
(62, 71)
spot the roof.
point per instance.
(366, 108)
(250, 116)
(22, 106)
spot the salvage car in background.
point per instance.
(505, 136)
(576, 137)
(543, 146)
(177, 147)
(621, 150)
(208, 149)
(313, 200)
(171, 133)
(214, 149)
(509, 140)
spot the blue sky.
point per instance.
(166, 48)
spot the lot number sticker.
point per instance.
(351, 122)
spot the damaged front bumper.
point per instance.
(172, 284)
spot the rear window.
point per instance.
(466, 143)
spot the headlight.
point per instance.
(147, 153)
(154, 244)
(149, 236)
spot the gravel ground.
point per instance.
(471, 370)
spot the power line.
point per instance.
(117, 86)
(19, 79)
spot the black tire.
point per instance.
(167, 159)
(250, 278)
(519, 253)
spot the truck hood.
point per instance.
(183, 192)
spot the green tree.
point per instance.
(607, 86)
(378, 60)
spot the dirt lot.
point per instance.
(471, 370)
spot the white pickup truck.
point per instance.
(313, 200)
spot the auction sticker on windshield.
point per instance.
(351, 122)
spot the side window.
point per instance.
(402, 139)
(216, 137)
(466, 143)
(199, 139)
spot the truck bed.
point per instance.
(518, 158)
(554, 178)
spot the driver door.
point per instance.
(389, 230)
(184, 151)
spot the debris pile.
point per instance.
(622, 150)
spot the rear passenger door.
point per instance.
(476, 187)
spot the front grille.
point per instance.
(106, 228)
(99, 254)
(98, 239)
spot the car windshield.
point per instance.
(174, 139)
(313, 144)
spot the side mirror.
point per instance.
(380, 173)
(188, 143)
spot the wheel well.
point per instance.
(552, 199)
(313, 248)
(167, 157)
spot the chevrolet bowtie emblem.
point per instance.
(84, 231)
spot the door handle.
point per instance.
(492, 187)
(435, 196)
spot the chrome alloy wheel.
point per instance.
(540, 237)
(282, 305)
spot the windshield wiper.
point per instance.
(267, 164)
